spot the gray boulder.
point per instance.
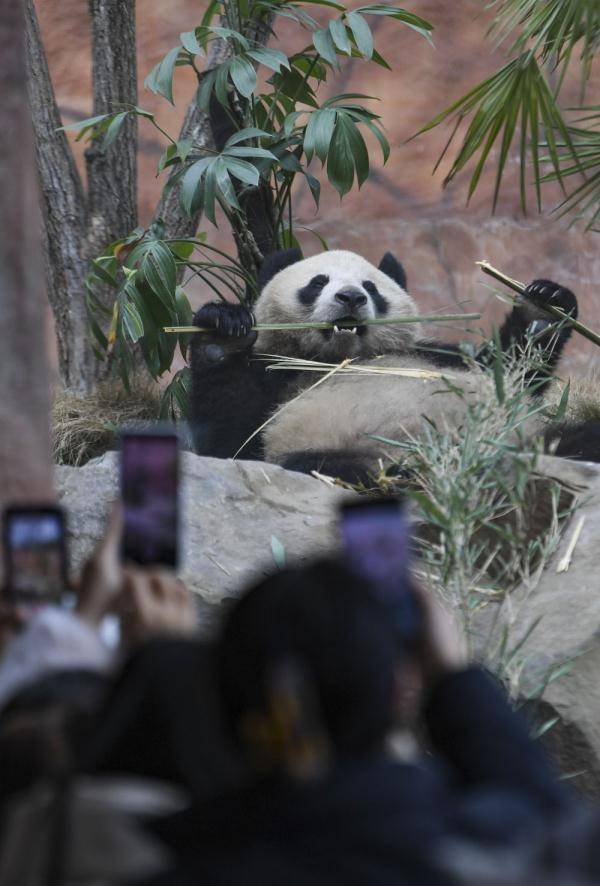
(558, 621)
(239, 518)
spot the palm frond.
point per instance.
(515, 97)
(551, 29)
(583, 200)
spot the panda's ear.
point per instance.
(276, 262)
(390, 265)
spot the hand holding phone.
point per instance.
(376, 542)
(35, 554)
(149, 490)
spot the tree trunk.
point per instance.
(64, 214)
(112, 174)
(25, 462)
(77, 228)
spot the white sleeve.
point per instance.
(53, 640)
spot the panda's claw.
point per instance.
(227, 325)
(543, 292)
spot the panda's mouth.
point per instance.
(344, 327)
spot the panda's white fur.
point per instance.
(278, 303)
(346, 410)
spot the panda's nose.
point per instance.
(351, 298)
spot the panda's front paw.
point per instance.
(229, 331)
(541, 293)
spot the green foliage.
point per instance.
(516, 96)
(279, 131)
(518, 107)
(583, 202)
(142, 270)
(486, 520)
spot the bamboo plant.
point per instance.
(279, 133)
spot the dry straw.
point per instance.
(348, 367)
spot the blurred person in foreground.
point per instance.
(312, 685)
(56, 670)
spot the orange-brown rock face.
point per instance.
(402, 207)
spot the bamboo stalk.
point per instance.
(380, 321)
(519, 287)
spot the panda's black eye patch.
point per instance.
(381, 303)
(310, 293)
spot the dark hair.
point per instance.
(327, 620)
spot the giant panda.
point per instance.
(331, 427)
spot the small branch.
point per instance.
(583, 330)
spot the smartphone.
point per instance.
(35, 554)
(376, 544)
(150, 495)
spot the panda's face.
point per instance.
(334, 287)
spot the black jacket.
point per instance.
(377, 821)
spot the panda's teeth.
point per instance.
(345, 329)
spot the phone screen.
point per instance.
(149, 489)
(376, 542)
(35, 554)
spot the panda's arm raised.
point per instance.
(528, 320)
(231, 394)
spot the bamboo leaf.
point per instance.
(248, 152)
(160, 78)
(133, 322)
(223, 183)
(274, 59)
(245, 134)
(113, 129)
(498, 368)
(337, 29)
(323, 43)
(278, 551)
(190, 42)
(362, 33)
(243, 171)
(318, 133)
(190, 183)
(243, 75)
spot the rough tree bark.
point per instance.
(25, 462)
(112, 174)
(78, 226)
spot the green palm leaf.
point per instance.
(516, 97)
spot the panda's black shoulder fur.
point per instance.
(276, 262)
